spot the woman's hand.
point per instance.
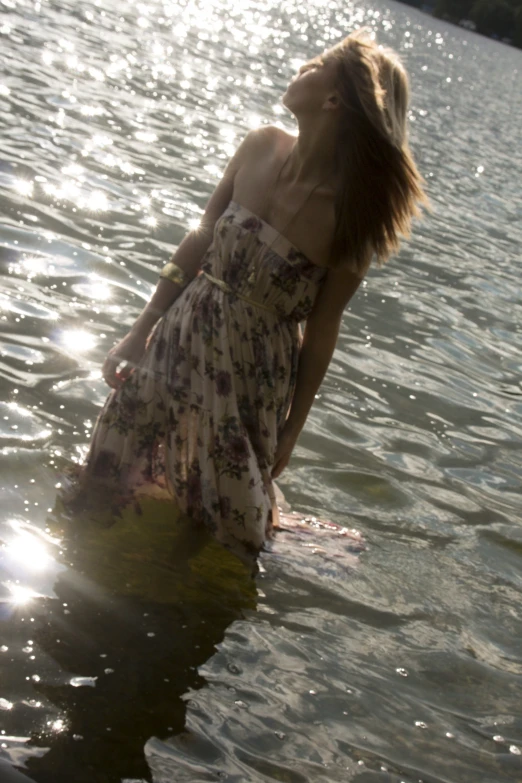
(129, 350)
(285, 446)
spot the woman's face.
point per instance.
(312, 85)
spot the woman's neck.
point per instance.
(313, 155)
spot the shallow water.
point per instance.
(116, 121)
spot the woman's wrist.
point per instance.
(144, 324)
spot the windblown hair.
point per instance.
(381, 189)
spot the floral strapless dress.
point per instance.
(199, 418)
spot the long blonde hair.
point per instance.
(381, 188)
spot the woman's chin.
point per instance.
(287, 102)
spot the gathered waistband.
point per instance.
(228, 290)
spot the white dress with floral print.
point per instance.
(200, 416)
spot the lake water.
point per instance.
(117, 119)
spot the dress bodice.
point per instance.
(254, 260)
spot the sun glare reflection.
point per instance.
(24, 187)
(98, 290)
(14, 406)
(97, 202)
(70, 190)
(146, 136)
(30, 551)
(92, 111)
(34, 265)
(78, 340)
(21, 595)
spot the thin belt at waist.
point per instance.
(228, 290)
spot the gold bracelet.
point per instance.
(175, 274)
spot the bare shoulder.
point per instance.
(268, 139)
(248, 165)
(273, 133)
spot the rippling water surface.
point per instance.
(117, 119)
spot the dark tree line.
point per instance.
(495, 18)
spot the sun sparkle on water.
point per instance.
(20, 595)
(28, 550)
(78, 340)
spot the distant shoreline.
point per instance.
(434, 9)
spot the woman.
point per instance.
(209, 405)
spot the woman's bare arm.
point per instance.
(188, 257)
(195, 244)
(319, 340)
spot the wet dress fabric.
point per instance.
(199, 417)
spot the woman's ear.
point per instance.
(331, 103)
